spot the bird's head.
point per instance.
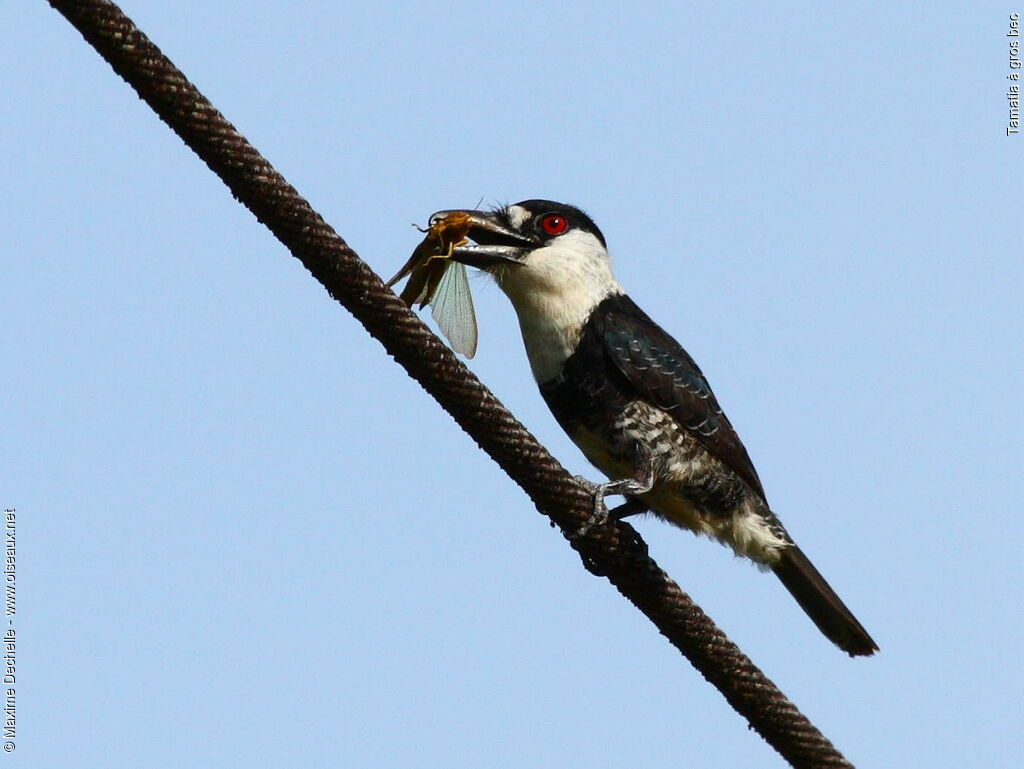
(539, 252)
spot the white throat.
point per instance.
(554, 291)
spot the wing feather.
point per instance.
(657, 367)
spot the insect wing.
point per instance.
(452, 308)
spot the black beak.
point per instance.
(494, 243)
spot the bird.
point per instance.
(633, 400)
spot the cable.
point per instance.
(614, 550)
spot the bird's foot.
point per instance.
(602, 515)
(627, 487)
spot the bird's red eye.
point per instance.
(553, 224)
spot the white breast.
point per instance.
(554, 291)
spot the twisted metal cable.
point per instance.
(613, 550)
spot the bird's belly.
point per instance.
(666, 499)
(692, 489)
(603, 454)
(615, 450)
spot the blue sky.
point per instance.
(245, 537)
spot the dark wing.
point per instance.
(657, 367)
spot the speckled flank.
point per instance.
(693, 489)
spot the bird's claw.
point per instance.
(599, 515)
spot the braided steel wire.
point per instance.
(613, 550)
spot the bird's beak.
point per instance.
(494, 243)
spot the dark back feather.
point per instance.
(658, 368)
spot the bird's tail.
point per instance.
(821, 603)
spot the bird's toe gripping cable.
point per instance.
(601, 515)
(627, 487)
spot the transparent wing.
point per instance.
(452, 307)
